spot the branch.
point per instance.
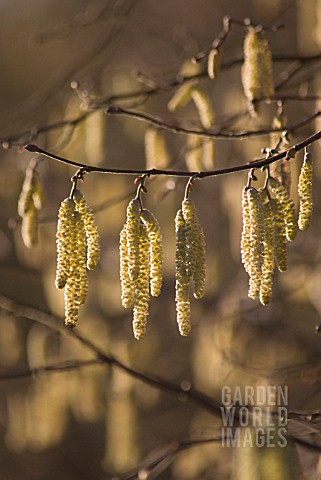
(32, 133)
(214, 134)
(192, 395)
(58, 368)
(256, 163)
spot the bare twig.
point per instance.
(256, 163)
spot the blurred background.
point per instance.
(97, 422)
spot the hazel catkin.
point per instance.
(182, 276)
(30, 200)
(133, 229)
(268, 255)
(155, 251)
(257, 75)
(195, 242)
(281, 194)
(141, 306)
(305, 192)
(127, 285)
(91, 229)
(279, 234)
(156, 152)
(204, 107)
(256, 240)
(64, 227)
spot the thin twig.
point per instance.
(256, 163)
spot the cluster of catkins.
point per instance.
(189, 262)
(78, 248)
(30, 202)
(141, 259)
(269, 221)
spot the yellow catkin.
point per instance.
(38, 195)
(204, 107)
(25, 199)
(251, 68)
(78, 272)
(257, 75)
(140, 312)
(30, 200)
(91, 229)
(65, 220)
(156, 152)
(127, 286)
(133, 229)
(281, 194)
(246, 231)
(29, 227)
(195, 247)
(72, 294)
(213, 62)
(279, 235)
(305, 192)
(182, 96)
(256, 240)
(268, 255)
(155, 251)
(182, 276)
(266, 68)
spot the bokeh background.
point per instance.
(96, 422)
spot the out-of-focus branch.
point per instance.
(191, 395)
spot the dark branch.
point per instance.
(256, 163)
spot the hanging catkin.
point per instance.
(31, 200)
(246, 231)
(77, 249)
(257, 75)
(195, 254)
(256, 240)
(127, 285)
(182, 276)
(189, 262)
(182, 96)
(141, 260)
(268, 255)
(92, 234)
(140, 312)
(282, 196)
(280, 254)
(155, 251)
(305, 192)
(64, 227)
(133, 229)
(251, 69)
(156, 152)
(204, 107)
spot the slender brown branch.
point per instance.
(215, 134)
(256, 163)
